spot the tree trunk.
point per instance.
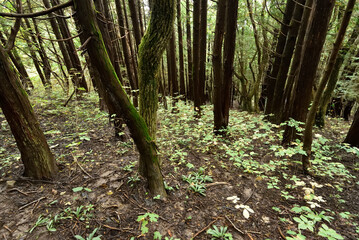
(202, 53)
(217, 67)
(315, 39)
(126, 51)
(196, 54)
(151, 50)
(308, 133)
(172, 71)
(353, 135)
(35, 153)
(135, 21)
(41, 49)
(139, 131)
(278, 96)
(190, 87)
(279, 51)
(79, 82)
(182, 84)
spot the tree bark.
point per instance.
(151, 50)
(182, 84)
(202, 53)
(279, 51)
(196, 54)
(308, 133)
(278, 96)
(353, 135)
(315, 38)
(139, 131)
(135, 21)
(218, 67)
(190, 87)
(35, 153)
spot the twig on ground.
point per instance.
(234, 226)
(281, 233)
(78, 164)
(206, 227)
(112, 228)
(28, 204)
(18, 190)
(216, 184)
(7, 228)
(250, 237)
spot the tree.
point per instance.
(353, 135)
(149, 164)
(313, 45)
(35, 153)
(150, 53)
(226, 16)
(308, 138)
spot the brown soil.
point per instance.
(98, 163)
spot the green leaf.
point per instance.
(77, 189)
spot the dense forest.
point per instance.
(192, 119)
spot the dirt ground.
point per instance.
(98, 187)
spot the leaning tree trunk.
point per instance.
(353, 135)
(35, 153)
(122, 105)
(308, 133)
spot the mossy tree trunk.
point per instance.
(85, 13)
(150, 53)
(35, 153)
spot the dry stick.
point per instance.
(15, 189)
(234, 226)
(216, 184)
(112, 228)
(7, 228)
(205, 228)
(280, 232)
(28, 204)
(250, 237)
(78, 164)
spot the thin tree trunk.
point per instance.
(202, 52)
(35, 153)
(182, 84)
(196, 55)
(217, 66)
(190, 87)
(135, 21)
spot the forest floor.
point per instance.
(245, 184)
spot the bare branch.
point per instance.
(14, 30)
(36, 14)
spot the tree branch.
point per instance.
(14, 30)
(36, 14)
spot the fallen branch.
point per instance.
(238, 230)
(281, 234)
(205, 228)
(28, 204)
(216, 184)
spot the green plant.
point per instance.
(219, 233)
(91, 236)
(329, 233)
(197, 181)
(145, 219)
